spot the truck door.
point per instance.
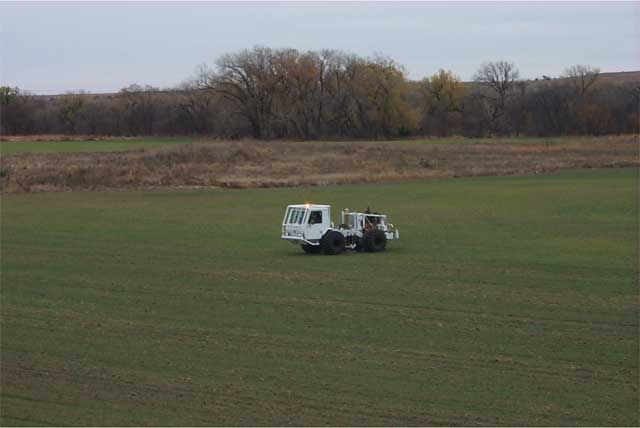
(317, 223)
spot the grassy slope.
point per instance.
(115, 145)
(502, 140)
(508, 301)
(20, 147)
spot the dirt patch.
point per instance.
(247, 164)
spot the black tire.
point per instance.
(311, 249)
(374, 241)
(332, 242)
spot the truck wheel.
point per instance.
(332, 242)
(311, 249)
(374, 241)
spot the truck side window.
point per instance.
(315, 217)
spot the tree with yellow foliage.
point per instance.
(442, 95)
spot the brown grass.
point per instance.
(63, 137)
(244, 164)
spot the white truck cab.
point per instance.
(306, 223)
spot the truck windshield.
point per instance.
(295, 216)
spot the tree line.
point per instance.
(268, 93)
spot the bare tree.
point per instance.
(94, 115)
(582, 77)
(500, 77)
(342, 73)
(194, 102)
(141, 107)
(247, 79)
(549, 104)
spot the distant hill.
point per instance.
(619, 77)
(622, 77)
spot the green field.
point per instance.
(20, 147)
(508, 301)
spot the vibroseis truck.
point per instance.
(310, 226)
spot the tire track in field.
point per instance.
(522, 367)
(53, 316)
(357, 410)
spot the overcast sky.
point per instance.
(102, 47)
